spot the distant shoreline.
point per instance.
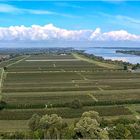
(131, 52)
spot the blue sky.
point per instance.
(74, 15)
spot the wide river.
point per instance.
(110, 53)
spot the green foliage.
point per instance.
(5, 68)
(65, 112)
(125, 121)
(69, 132)
(37, 81)
(76, 104)
(0, 98)
(135, 129)
(52, 126)
(136, 66)
(85, 128)
(92, 115)
(125, 67)
(34, 122)
(89, 128)
(132, 52)
(13, 135)
(105, 122)
(38, 134)
(120, 131)
(2, 103)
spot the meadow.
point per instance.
(50, 83)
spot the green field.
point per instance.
(31, 82)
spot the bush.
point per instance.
(5, 68)
(12, 135)
(76, 104)
(2, 105)
(34, 122)
(125, 67)
(124, 121)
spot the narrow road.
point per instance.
(134, 112)
(91, 95)
(1, 79)
(2, 71)
(18, 61)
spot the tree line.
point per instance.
(89, 126)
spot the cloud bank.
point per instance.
(50, 32)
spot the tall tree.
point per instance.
(88, 127)
(120, 131)
(34, 122)
(92, 115)
(52, 126)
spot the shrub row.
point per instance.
(89, 103)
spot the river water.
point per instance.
(110, 53)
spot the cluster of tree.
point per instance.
(112, 102)
(125, 67)
(2, 103)
(75, 104)
(8, 57)
(54, 127)
(133, 52)
(4, 57)
(125, 129)
(137, 66)
(89, 126)
(35, 50)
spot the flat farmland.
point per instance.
(24, 114)
(67, 81)
(117, 95)
(52, 56)
(12, 61)
(33, 82)
(53, 63)
(63, 98)
(13, 125)
(39, 100)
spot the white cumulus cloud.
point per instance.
(50, 32)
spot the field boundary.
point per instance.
(18, 61)
(51, 60)
(90, 95)
(1, 79)
(133, 111)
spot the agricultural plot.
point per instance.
(117, 95)
(24, 114)
(70, 81)
(39, 100)
(53, 63)
(11, 61)
(13, 125)
(50, 83)
(51, 56)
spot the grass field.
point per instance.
(32, 82)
